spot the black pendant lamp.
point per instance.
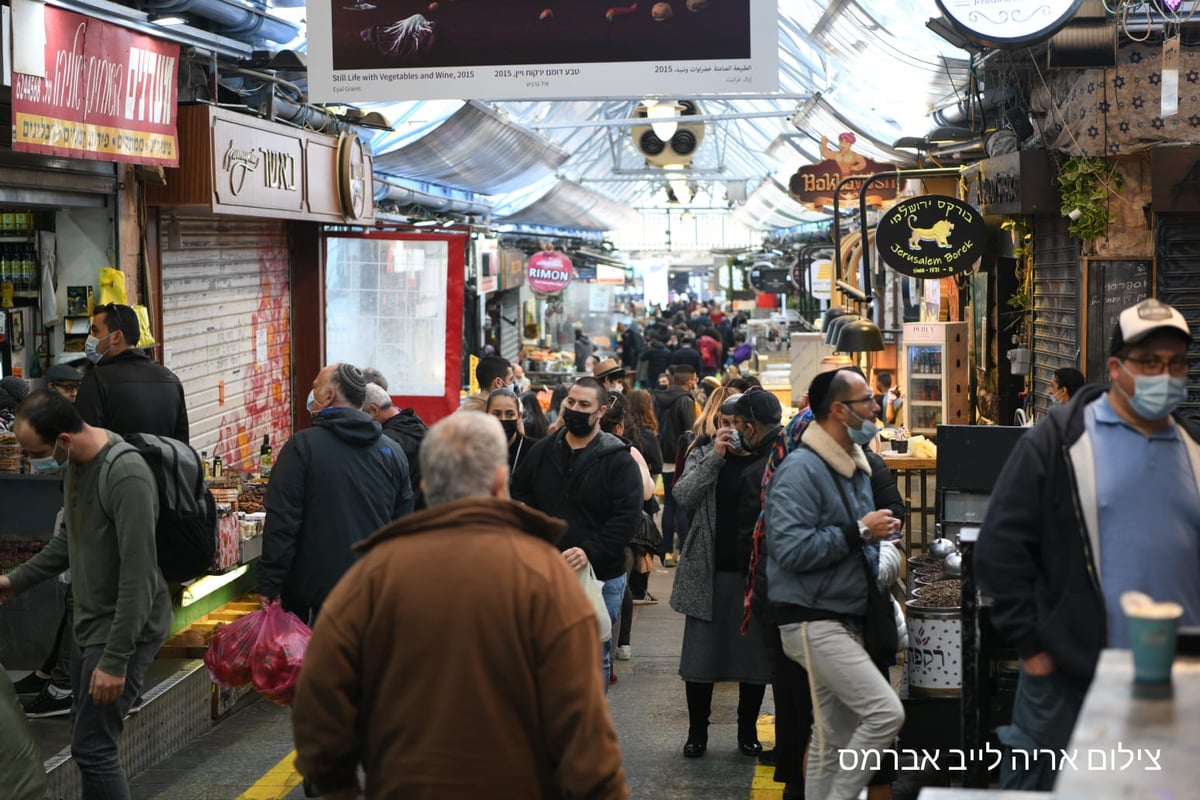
(832, 313)
(859, 336)
(835, 328)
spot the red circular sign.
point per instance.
(549, 272)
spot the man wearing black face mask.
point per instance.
(588, 478)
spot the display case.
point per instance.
(935, 376)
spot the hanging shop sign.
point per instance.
(549, 272)
(512, 268)
(931, 236)
(816, 184)
(1016, 183)
(770, 280)
(106, 94)
(238, 164)
(1008, 23)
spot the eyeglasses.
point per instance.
(868, 399)
(1153, 365)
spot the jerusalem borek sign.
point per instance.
(816, 185)
(931, 236)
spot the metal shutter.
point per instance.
(510, 324)
(227, 331)
(1055, 303)
(1178, 283)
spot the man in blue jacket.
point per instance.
(822, 528)
(332, 486)
(1100, 498)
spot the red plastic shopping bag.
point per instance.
(229, 655)
(278, 655)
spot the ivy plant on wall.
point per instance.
(1084, 185)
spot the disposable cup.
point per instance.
(1152, 637)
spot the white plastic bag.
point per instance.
(593, 587)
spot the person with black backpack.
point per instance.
(122, 608)
(675, 409)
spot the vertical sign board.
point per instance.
(1111, 286)
(108, 94)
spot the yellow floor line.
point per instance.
(764, 787)
(278, 783)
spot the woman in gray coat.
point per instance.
(709, 588)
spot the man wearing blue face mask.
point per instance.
(1102, 497)
(822, 536)
(125, 391)
(122, 608)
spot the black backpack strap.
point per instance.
(116, 451)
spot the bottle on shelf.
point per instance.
(217, 468)
(265, 457)
(30, 266)
(207, 465)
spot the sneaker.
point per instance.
(645, 600)
(47, 705)
(624, 652)
(668, 561)
(31, 684)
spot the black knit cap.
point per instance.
(352, 377)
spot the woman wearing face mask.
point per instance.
(1064, 383)
(711, 576)
(504, 406)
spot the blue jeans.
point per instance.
(96, 731)
(614, 592)
(674, 517)
(1043, 718)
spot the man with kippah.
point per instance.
(333, 485)
(1099, 498)
(823, 534)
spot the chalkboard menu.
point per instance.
(1112, 286)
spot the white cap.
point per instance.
(1147, 317)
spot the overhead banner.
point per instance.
(108, 94)
(361, 51)
(931, 236)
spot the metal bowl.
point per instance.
(941, 548)
(953, 565)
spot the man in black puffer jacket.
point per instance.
(588, 478)
(126, 392)
(333, 485)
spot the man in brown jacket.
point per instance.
(457, 658)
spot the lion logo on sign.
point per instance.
(939, 232)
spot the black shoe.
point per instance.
(46, 705)
(31, 684)
(694, 749)
(769, 758)
(750, 748)
(793, 791)
(309, 790)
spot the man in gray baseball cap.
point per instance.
(1100, 498)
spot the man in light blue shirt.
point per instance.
(1101, 497)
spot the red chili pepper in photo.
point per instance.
(619, 11)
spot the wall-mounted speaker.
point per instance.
(680, 149)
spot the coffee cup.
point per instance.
(900, 445)
(1153, 631)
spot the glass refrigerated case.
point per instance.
(936, 376)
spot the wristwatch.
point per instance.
(864, 531)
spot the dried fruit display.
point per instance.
(662, 12)
(15, 551)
